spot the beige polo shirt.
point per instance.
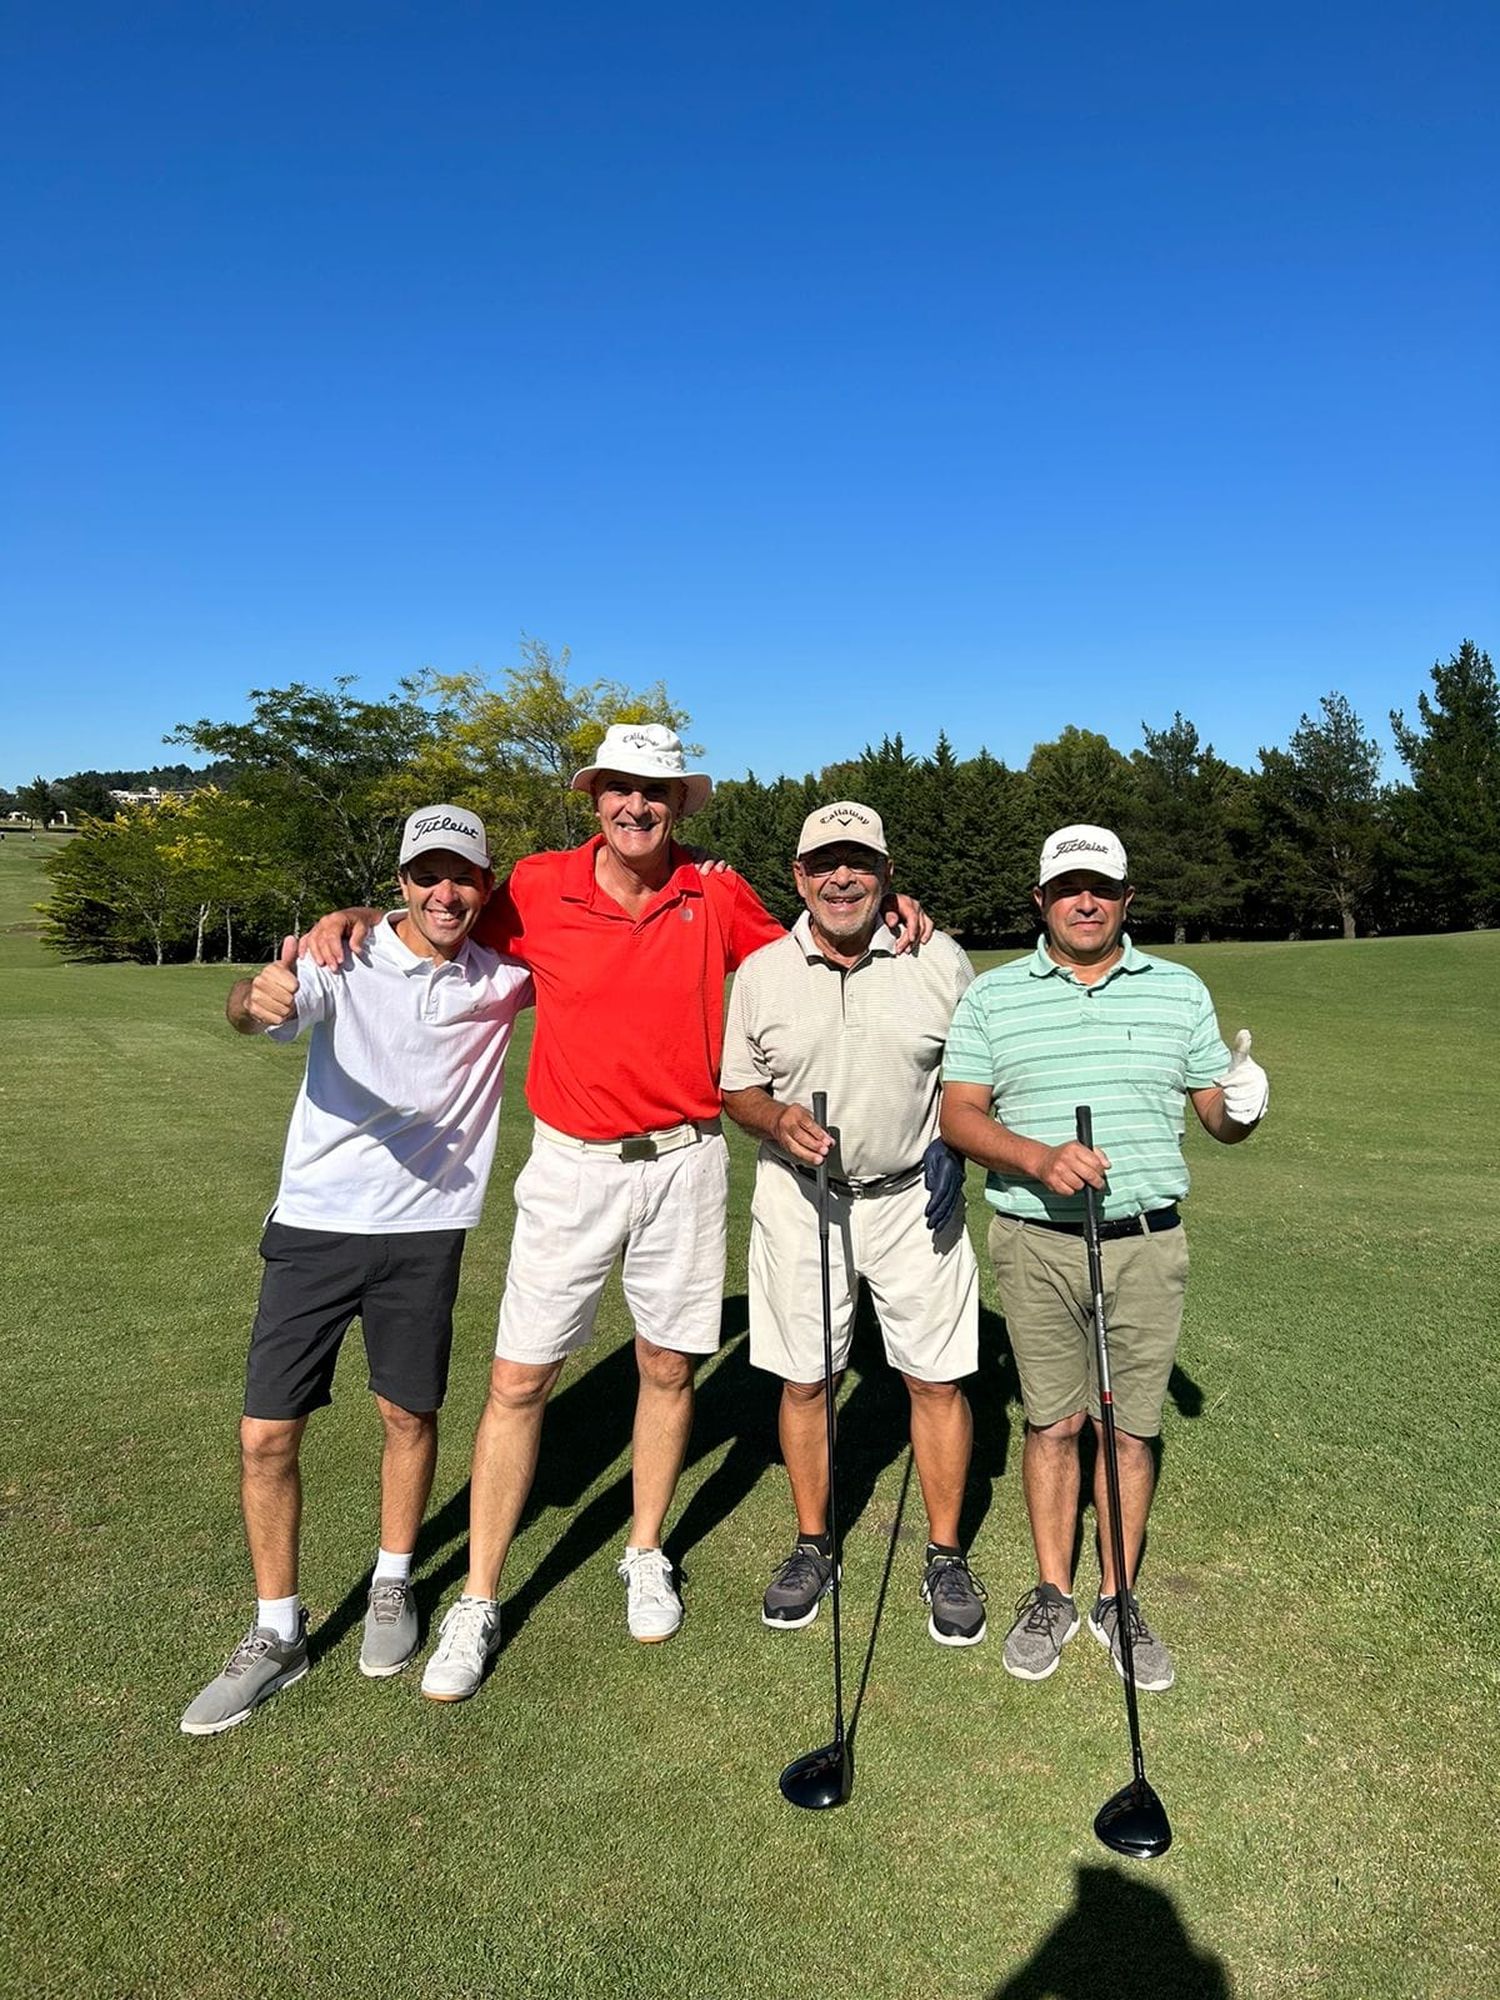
(870, 1036)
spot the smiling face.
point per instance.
(842, 885)
(1085, 916)
(443, 894)
(636, 817)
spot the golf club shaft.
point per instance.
(820, 1117)
(1085, 1119)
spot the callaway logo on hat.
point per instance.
(843, 820)
(1092, 850)
(645, 750)
(450, 827)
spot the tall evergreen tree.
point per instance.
(1188, 879)
(1447, 821)
(1319, 801)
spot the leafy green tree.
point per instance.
(1447, 821)
(509, 752)
(117, 889)
(336, 774)
(1319, 801)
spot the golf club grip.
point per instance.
(820, 1117)
(1085, 1118)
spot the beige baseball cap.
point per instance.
(845, 819)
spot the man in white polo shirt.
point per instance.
(833, 1007)
(387, 1158)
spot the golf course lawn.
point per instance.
(603, 1819)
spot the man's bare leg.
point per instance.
(1051, 1482)
(1137, 1484)
(802, 1427)
(942, 1440)
(505, 1456)
(407, 1463)
(271, 1499)
(663, 1425)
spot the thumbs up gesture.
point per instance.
(1245, 1085)
(273, 991)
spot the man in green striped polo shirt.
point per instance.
(1088, 1019)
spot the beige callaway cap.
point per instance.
(845, 819)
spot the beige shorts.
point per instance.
(926, 1290)
(577, 1211)
(1042, 1277)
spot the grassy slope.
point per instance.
(604, 1818)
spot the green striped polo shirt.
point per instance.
(1128, 1047)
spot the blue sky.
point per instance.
(856, 368)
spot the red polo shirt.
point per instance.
(629, 1010)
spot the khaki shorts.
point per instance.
(926, 1289)
(577, 1211)
(1042, 1277)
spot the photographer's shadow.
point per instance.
(1122, 1940)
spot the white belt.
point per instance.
(635, 1145)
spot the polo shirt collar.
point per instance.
(880, 941)
(399, 955)
(578, 884)
(1044, 966)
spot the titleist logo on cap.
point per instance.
(422, 824)
(1081, 847)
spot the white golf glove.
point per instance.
(1246, 1087)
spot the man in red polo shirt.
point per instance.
(629, 946)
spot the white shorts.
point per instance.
(925, 1288)
(576, 1211)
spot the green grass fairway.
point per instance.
(603, 1820)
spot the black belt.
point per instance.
(857, 1190)
(1149, 1223)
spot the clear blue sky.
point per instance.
(857, 368)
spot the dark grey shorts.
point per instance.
(316, 1281)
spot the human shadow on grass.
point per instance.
(1122, 1940)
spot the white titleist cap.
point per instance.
(1092, 850)
(645, 750)
(452, 827)
(845, 819)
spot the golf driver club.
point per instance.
(1134, 1822)
(825, 1777)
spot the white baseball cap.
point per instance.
(845, 819)
(1091, 850)
(645, 750)
(452, 827)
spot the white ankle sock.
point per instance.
(392, 1569)
(282, 1614)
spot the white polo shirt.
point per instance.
(394, 1127)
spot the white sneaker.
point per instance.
(653, 1610)
(469, 1634)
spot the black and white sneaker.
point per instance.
(956, 1597)
(797, 1587)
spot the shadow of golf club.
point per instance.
(1122, 1940)
(879, 1612)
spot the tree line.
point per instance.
(308, 795)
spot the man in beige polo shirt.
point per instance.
(832, 1007)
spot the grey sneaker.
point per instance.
(797, 1587)
(467, 1637)
(260, 1665)
(956, 1597)
(653, 1610)
(1153, 1663)
(390, 1629)
(1046, 1620)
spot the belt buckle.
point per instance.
(637, 1149)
